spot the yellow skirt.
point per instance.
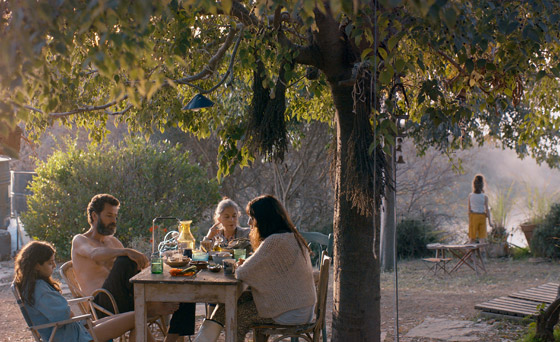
(477, 226)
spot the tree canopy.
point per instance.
(457, 72)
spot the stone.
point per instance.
(448, 330)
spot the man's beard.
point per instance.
(106, 230)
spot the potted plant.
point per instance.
(537, 206)
(501, 204)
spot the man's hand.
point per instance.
(140, 259)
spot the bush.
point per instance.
(412, 238)
(544, 242)
(149, 181)
(530, 336)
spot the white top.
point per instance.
(477, 203)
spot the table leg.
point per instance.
(140, 315)
(463, 260)
(231, 315)
(479, 255)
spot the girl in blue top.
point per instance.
(44, 302)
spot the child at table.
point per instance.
(44, 302)
(478, 211)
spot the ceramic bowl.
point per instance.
(219, 257)
(200, 264)
(215, 268)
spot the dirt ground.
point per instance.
(421, 295)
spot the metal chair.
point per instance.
(55, 325)
(325, 243)
(309, 332)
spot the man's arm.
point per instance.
(101, 255)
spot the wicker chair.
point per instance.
(67, 273)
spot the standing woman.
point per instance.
(226, 219)
(279, 274)
(44, 302)
(478, 211)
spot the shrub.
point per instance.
(544, 242)
(530, 336)
(148, 180)
(412, 238)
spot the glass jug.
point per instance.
(186, 239)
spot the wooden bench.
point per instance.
(522, 304)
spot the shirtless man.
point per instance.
(95, 251)
(101, 261)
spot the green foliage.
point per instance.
(538, 203)
(413, 236)
(149, 181)
(544, 242)
(501, 204)
(519, 253)
(532, 331)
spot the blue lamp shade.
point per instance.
(197, 102)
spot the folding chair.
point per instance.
(55, 325)
(309, 332)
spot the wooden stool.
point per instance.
(436, 264)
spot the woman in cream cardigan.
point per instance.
(279, 274)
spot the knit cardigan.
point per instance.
(280, 276)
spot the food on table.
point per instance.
(189, 271)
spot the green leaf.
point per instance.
(393, 42)
(450, 17)
(399, 65)
(469, 65)
(540, 75)
(365, 53)
(386, 75)
(383, 53)
(226, 5)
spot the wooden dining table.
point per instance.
(205, 287)
(467, 254)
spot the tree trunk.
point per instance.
(546, 322)
(389, 220)
(356, 310)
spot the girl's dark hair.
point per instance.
(25, 276)
(97, 204)
(478, 184)
(271, 218)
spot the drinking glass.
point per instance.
(157, 263)
(239, 253)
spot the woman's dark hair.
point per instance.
(25, 275)
(478, 184)
(270, 218)
(97, 204)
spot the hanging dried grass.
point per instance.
(267, 126)
(364, 168)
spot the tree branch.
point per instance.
(213, 62)
(449, 59)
